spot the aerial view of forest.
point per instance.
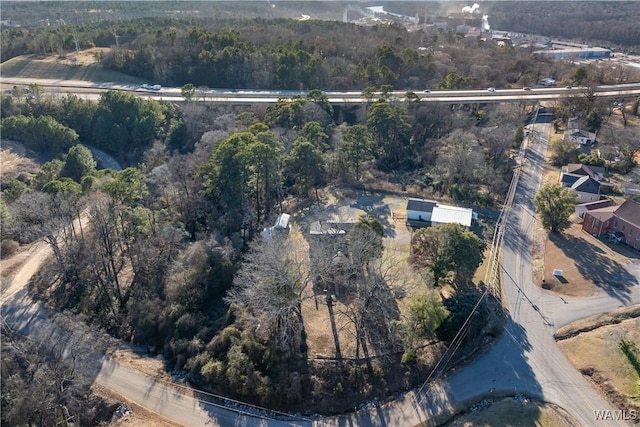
(171, 248)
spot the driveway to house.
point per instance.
(525, 359)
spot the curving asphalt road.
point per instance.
(525, 359)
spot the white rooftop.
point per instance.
(282, 221)
(452, 215)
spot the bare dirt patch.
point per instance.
(588, 264)
(597, 356)
(139, 416)
(508, 412)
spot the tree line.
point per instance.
(169, 244)
(289, 54)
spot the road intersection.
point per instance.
(524, 360)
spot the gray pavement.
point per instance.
(525, 359)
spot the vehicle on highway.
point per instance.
(526, 88)
(492, 89)
(426, 91)
(150, 87)
(568, 87)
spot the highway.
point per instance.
(525, 359)
(89, 90)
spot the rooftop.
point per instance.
(598, 204)
(603, 214)
(452, 215)
(330, 227)
(630, 212)
(586, 184)
(421, 205)
(580, 169)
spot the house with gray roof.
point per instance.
(581, 137)
(582, 181)
(420, 209)
(587, 189)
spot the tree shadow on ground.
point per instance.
(518, 242)
(503, 370)
(375, 207)
(606, 273)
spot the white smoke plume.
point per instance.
(471, 9)
(485, 23)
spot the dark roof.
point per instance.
(597, 204)
(568, 179)
(630, 212)
(586, 184)
(581, 133)
(585, 170)
(421, 205)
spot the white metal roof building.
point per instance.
(451, 215)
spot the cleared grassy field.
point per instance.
(597, 352)
(62, 69)
(507, 412)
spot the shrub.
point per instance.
(409, 356)
(630, 350)
(212, 371)
(356, 376)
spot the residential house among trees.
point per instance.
(422, 210)
(587, 189)
(595, 172)
(622, 220)
(581, 137)
(587, 181)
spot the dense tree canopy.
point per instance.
(448, 248)
(78, 163)
(43, 133)
(554, 205)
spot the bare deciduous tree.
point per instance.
(269, 289)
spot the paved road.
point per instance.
(525, 359)
(538, 313)
(92, 91)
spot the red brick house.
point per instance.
(598, 221)
(624, 220)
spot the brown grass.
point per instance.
(14, 160)
(588, 264)
(507, 412)
(596, 355)
(139, 416)
(83, 67)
